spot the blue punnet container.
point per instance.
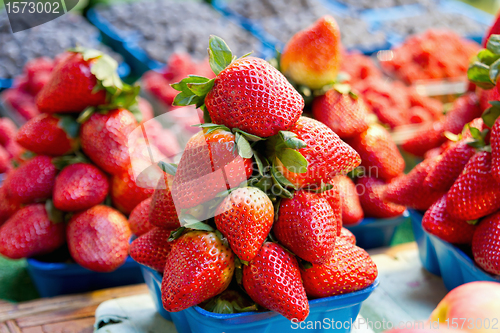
(372, 232)
(53, 279)
(445, 259)
(342, 308)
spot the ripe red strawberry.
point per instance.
(352, 212)
(198, 268)
(71, 86)
(327, 155)
(433, 106)
(98, 238)
(29, 232)
(465, 109)
(312, 57)
(255, 97)
(8, 131)
(345, 113)
(475, 193)
(126, 193)
(407, 190)
(5, 164)
(209, 165)
(347, 236)
(485, 96)
(162, 212)
(334, 199)
(378, 153)
(139, 218)
(350, 269)
(485, 244)
(427, 137)
(7, 206)
(449, 166)
(440, 223)
(80, 186)
(104, 138)
(272, 280)
(152, 248)
(494, 29)
(306, 225)
(45, 135)
(495, 150)
(370, 191)
(245, 218)
(32, 181)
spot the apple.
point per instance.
(477, 302)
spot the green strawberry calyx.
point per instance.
(63, 161)
(119, 94)
(491, 114)
(484, 68)
(54, 214)
(230, 301)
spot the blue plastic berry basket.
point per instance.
(446, 260)
(337, 309)
(53, 279)
(372, 232)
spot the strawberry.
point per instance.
(344, 113)
(8, 131)
(493, 30)
(7, 206)
(334, 199)
(198, 268)
(210, 164)
(126, 193)
(247, 93)
(485, 244)
(162, 212)
(272, 280)
(152, 248)
(348, 270)
(45, 135)
(312, 57)
(440, 223)
(270, 104)
(326, 154)
(432, 105)
(98, 238)
(352, 212)
(139, 218)
(359, 67)
(485, 96)
(378, 153)
(475, 193)
(30, 232)
(80, 186)
(449, 166)
(427, 137)
(104, 138)
(371, 199)
(347, 236)
(306, 225)
(464, 110)
(245, 218)
(407, 190)
(32, 181)
(5, 164)
(83, 78)
(495, 150)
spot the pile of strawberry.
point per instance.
(252, 208)
(435, 54)
(10, 151)
(346, 114)
(459, 187)
(75, 183)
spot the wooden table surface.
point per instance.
(64, 314)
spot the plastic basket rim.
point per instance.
(368, 290)
(373, 220)
(53, 266)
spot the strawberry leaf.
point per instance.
(289, 140)
(104, 70)
(69, 125)
(86, 114)
(265, 183)
(479, 74)
(189, 221)
(278, 189)
(451, 136)
(201, 88)
(486, 57)
(219, 54)
(492, 113)
(493, 44)
(342, 88)
(176, 234)
(494, 69)
(292, 160)
(206, 115)
(244, 148)
(55, 215)
(248, 136)
(185, 99)
(169, 168)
